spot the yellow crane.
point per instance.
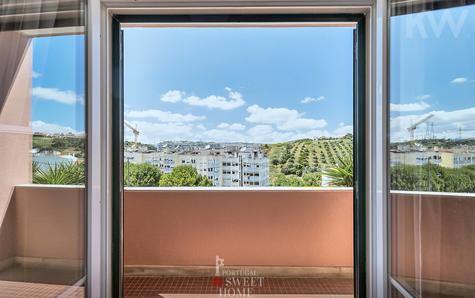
(135, 131)
(411, 129)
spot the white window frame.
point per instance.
(99, 15)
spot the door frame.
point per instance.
(360, 93)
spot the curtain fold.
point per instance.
(40, 14)
(11, 57)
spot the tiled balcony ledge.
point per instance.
(239, 189)
(265, 271)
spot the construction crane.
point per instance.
(411, 129)
(135, 131)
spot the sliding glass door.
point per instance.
(42, 148)
(432, 148)
(240, 148)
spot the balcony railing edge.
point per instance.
(251, 189)
(433, 194)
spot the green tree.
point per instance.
(342, 173)
(405, 177)
(287, 180)
(286, 154)
(458, 181)
(275, 162)
(430, 177)
(59, 174)
(184, 176)
(143, 174)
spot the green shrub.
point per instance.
(60, 174)
(143, 174)
(286, 180)
(312, 179)
(342, 173)
(432, 177)
(184, 176)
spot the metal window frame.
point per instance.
(100, 15)
(403, 7)
(359, 122)
(400, 8)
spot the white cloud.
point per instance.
(270, 125)
(303, 124)
(50, 128)
(284, 118)
(234, 126)
(264, 133)
(312, 99)
(343, 130)
(36, 75)
(446, 123)
(341, 124)
(423, 97)
(173, 96)
(54, 94)
(262, 129)
(164, 116)
(223, 135)
(461, 116)
(234, 100)
(151, 132)
(201, 127)
(409, 107)
(270, 115)
(459, 80)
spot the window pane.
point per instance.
(432, 148)
(42, 148)
(239, 107)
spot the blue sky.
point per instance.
(238, 84)
(58, 85)
(266, 84)
(433, 72)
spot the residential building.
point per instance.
(228, 167)
(448, 158)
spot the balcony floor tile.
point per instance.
(167, 286)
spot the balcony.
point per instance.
(303, 238)
(300, 241)
(433, 243)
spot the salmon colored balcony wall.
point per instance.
(270, 228)
(7, 234)
(15, 130)
(49, 222)
(15, 115)
(434, 233)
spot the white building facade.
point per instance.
(244, 167)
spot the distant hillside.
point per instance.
(301, 162)
(430, 143)
(68, 144)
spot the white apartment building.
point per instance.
(243, 167)
(449, 158)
